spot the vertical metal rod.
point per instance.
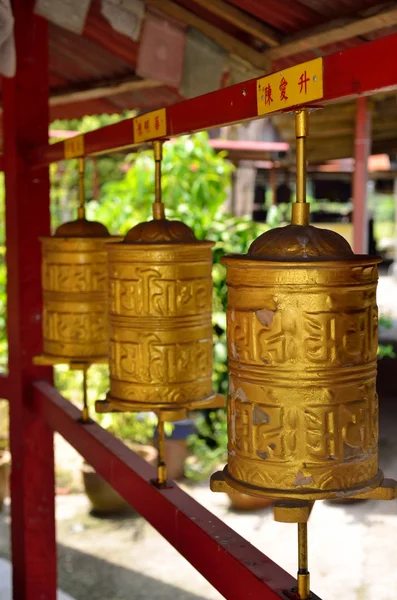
(81, 209)
(300, 210)
(303, 573)
(158, 206)
(85, 413)
(362, 151)
(161, 465)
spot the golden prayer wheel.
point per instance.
(75, 294)
(302, 345)
(75, 299)
(160, 311)
(302, 335)
(75, 291)
(160, 318)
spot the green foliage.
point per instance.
(64, 175)
(208, 446)
(386, 349)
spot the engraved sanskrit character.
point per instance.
(125, 295)
(322, 429)
(184, 294)
(269, 432)
(278, 343)
(163, 294)
(321, 339)
(242, 430)
(129, 357)
(73, 327)
(241, 337)
(354, 331)
(354, 428)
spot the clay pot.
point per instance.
(176, 452)
(5, 468)
(244, 502)
(103, 498)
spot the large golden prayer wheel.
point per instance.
(302, 335)
(302, 345)
(160, 318)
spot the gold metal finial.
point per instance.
(81, 209)
(161, 464)
(300, 209)
(158, 206)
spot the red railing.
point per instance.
(230, 563)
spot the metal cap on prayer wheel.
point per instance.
(160, 318)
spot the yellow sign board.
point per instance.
(74, 146)
(150, 126)
(291, 87)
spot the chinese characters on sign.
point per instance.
(290, 87)
(150, 126)
(74, 146)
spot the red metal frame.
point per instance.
(229, 562)
(232, 565)
(25, 125)
(362, 70)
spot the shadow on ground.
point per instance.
(83, 575)
(96, 579)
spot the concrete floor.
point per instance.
(352, 548)
(5, 582)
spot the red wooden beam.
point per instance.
(363, 70)
(25, 125)
(228, 561)
(362, 147)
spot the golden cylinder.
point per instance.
(302, 345)
(160, 321)
(75, 298)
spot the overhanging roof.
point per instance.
(96, 72)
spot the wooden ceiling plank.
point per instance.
(335, 31)
(242, 20)
(102, 89)
(226, 41)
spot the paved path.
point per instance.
(5, 582)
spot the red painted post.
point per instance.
(362, 150)
(25, 126)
